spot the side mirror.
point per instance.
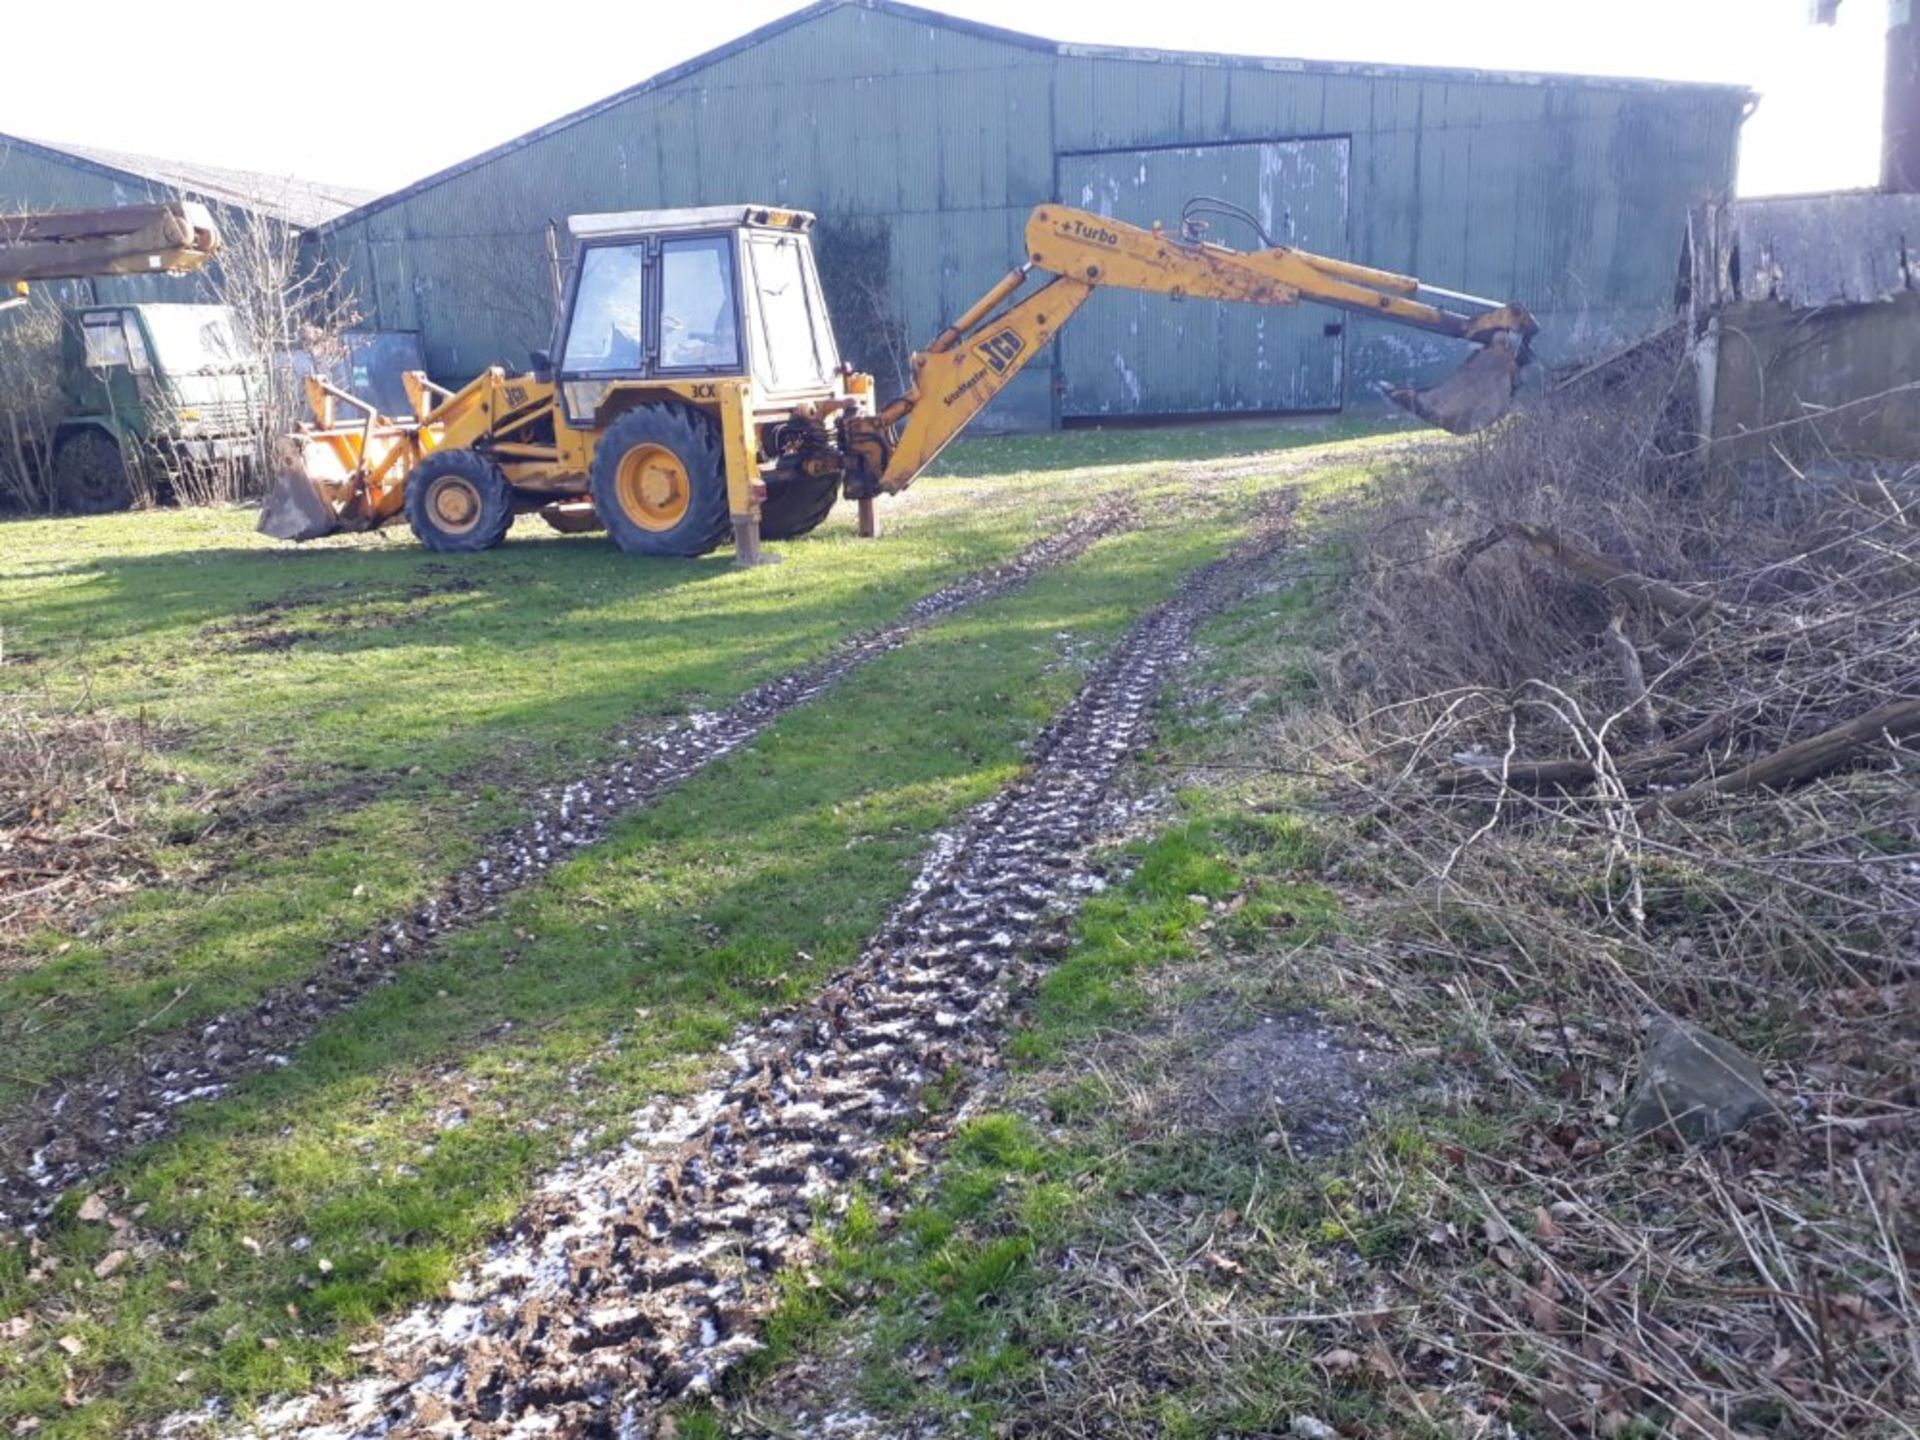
(542, 365)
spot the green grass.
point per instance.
(382, 710)
(411, 1126)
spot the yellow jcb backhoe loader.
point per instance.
(694, 388)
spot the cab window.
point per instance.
(787, 316)
(106, 340)
(698, 330)
(605, 334)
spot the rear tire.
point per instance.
(458, 502)
(90, 475)
(797, 507)
(659, 482)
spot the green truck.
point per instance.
(149, 390)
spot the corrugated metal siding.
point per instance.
(1569, 198)
(1130, 354)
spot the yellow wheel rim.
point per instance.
(653, 487)
(455, 504)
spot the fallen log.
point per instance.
(1802, 760)
(1614, 577)
(1637, 768)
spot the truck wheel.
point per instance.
(458, 502)
(797, 507)
(90, 475)
(659, 482)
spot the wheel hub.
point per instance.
(653, 487)
(455, 505)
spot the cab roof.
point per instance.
(696, 217)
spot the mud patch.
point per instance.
(278, 625)
(77, 1127)
(1297, 1076)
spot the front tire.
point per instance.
(458, 502)
(659, 482)
(90, 475)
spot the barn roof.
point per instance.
(1020, 39)
(287, 198)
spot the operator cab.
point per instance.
(720, 291)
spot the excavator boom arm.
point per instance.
(976, 357)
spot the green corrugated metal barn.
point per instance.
(922, 141)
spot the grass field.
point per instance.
(320, 737)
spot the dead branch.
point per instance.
(1627, 660)
(1614, 577)
(1803, 760)
(1637, 768)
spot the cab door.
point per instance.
(115, 377)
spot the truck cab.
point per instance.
(150, 390)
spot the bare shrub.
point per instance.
(30, 402)
(855, 257)
(74, 795)
(1631, 739)
(282, 299)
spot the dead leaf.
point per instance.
(72, 1344)
(109, 1263)
(1545, 1227)
(1543, 1313)
(93, 1209)
(1338, 1361)
(1381, 1362)
(185, 1377)
(16, 1328)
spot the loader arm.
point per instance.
(976, 357)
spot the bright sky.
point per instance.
(369, 93)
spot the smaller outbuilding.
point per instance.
(1804, 314)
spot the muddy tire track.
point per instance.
(78, 1125)
(641, 1276)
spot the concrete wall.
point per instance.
(1779, 367)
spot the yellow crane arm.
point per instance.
(976, 357)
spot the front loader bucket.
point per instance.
(340, 478)
(1470, 399)
(296, 510)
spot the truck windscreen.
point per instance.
(194, 339)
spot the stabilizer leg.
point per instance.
(746, 543)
